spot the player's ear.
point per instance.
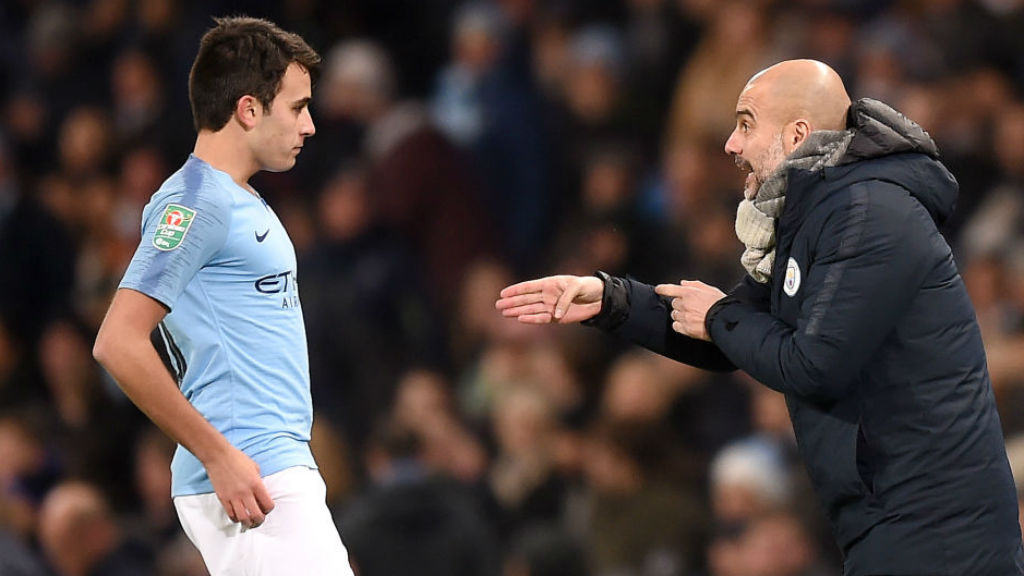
(247, 111)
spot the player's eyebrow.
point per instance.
(301, 102)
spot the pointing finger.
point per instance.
(670, 290)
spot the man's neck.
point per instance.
(228, 153)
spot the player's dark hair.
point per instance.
(243, 56)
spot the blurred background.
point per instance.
(461, 147)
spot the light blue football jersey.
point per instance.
(218, 257)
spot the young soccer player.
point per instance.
(215, 274)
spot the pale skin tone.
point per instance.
(254, 139)
(776, 111)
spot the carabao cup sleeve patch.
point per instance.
(173, 226)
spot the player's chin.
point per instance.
(282, 165)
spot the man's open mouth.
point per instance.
(751, 184)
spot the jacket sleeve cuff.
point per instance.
(614, 304)
(714, 311)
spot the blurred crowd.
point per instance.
(461, 147)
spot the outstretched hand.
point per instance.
(691, 301)
(562, 299)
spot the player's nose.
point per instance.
(308, 128)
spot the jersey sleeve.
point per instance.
(180, 234)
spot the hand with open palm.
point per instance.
(561, 299)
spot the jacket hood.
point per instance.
(879, 130)
(904, 154)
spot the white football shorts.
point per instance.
(297, 537)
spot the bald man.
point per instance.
(852, 306)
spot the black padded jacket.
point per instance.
(867, 329)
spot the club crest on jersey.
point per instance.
(173, 226)
(792, 282)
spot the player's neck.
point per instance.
(228, 153)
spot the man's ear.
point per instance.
(248, 110)
(798, 131)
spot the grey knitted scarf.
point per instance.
(756, 217)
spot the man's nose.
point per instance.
(308, 128)
(732, 145)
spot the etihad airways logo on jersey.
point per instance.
(283, 285)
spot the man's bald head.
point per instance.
(802, 89)
(776, 111)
